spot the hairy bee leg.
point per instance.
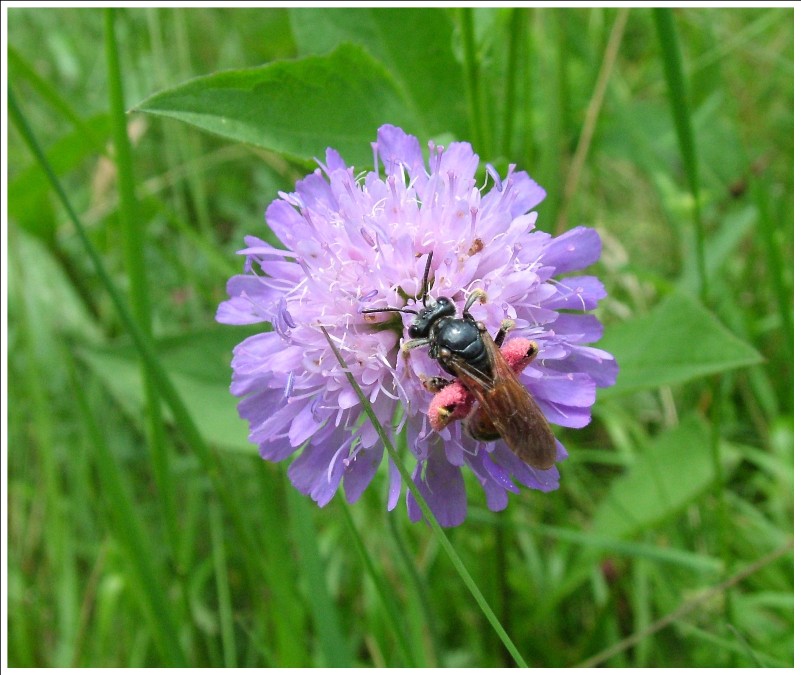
(519, 353)
(506, 326)
(453, 402)
(434, 384)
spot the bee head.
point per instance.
(430, 314)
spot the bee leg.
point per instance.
(454, 402)
(506, 326)
(414, 344)
(475, 295)
(434, 384)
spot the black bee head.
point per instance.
(426, 317)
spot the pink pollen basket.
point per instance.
(455, 402)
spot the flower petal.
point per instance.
(572, 250)
(360, 470)
(576, 293)
(397, 147)
(442, 486)
(305, 474)
(394, 486)
(496, 495)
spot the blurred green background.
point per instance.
(133, 542)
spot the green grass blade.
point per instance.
(749, 657)
(774, 234)
(389, 606)
(133, 235)
(209, 460)
(324, 614)
(133, 239)
(286, 614)
(223, 587)
(188, 144)
(696, 562)
(679, 105)
(517, 22)
(56, 559)
(460, 567)
(472, 82)
(19, 67)
(674, 76)
(591, 117)
(431, 639)
(127, 523)
(547, 90)
(689, 606)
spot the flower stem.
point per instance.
(460, 567)
(326, 619)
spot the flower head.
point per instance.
(359, 242)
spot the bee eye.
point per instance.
(414, 331)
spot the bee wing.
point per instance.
(506, 409)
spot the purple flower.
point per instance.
(358, 242)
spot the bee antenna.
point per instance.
(425, 277)
(388, 309)
(406, 310)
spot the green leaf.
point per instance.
(198, 364)
(298, 108)
(675, 469)
(414, 44)
(679, 340)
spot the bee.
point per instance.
(484, 374)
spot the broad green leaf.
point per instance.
(675, 469)
(415, 44)
(679, 340)
(198, 364)
(298, 108)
